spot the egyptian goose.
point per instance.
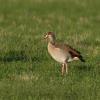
(62, 53)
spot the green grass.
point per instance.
(27, 72)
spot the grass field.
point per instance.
(27, 72)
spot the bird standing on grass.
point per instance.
(62, 53)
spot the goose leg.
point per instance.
(62, 71)
(66, 66)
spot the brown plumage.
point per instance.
(62, 53)
(72, 51)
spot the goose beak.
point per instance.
(46, 36)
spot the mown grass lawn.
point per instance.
(27, 72)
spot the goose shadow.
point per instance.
(17, 56)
